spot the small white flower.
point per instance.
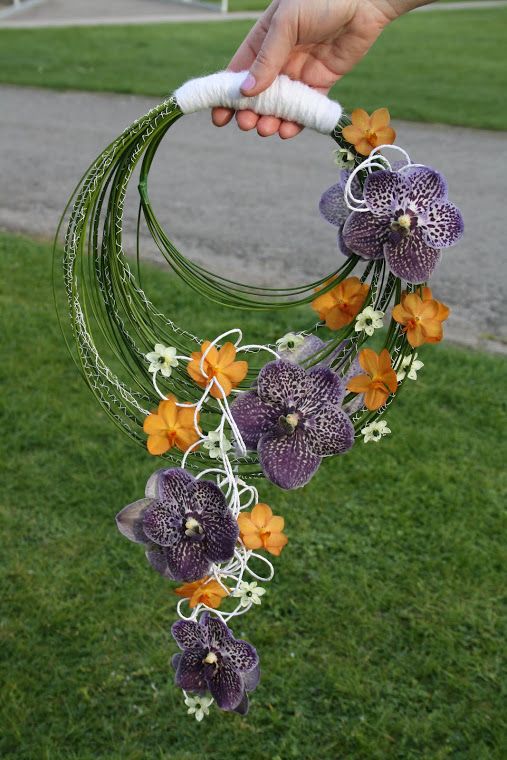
(375, 430)
(249, 593)
(417, 364)
(290, 342)
(344, 158)
(198, 706)
(369, 320)
(216, 443)
(162, 359)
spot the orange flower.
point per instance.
(261, 529)
(170, 426)
(421, 317)
(379, 381)
(340, 306)
(219, 364)
(443, 310)
(367, 132)
(204, 591)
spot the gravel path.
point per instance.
(247, 206)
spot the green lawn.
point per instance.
(435, 67)
(382, 634)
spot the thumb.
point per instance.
(273, 54)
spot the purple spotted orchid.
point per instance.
(293, 418)
(213, 660)
(184, 523)
(408, 221)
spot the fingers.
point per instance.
(247, 51)
(267, 125)
(289, 129)
(221, 116)
(247, 120)
(275, 49)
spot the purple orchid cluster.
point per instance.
(186, 527)
(407, 220)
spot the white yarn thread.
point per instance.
(285, 98)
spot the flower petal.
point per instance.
(224, 386)
(426, 187)
(369, 361)
(240, 654)
(379, 119)
(161, 524)
(189, 634)
(261, 514)
(363, 147)
(375, 396)
(190, 673)
(276, 524)
(221, 533)
(276, 541)
(130, 521)
(332, 205)
(252, 678)
(411, 258)
(175, 487)
(168, 411)
(332, 432)
(365, 234)
(242, 708)
(286, 460)
(443, 225)
(281, 382)
(361, 119)
(154, 424)
(252, 541)
(158, 444)
(386, 192)
(156, 556)
(359, 383)
(186, 437)
(433, 332)
(225, 685)
(211, 356)
(323, 386)
(309, 347)
(209, 499)
(384, 136)
(226, 355)
(236, 372)
(246, 525)
(352, 134)
(218, 632)
(253, 417)
(186, 560)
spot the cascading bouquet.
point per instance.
(223, 413)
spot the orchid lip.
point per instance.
(193, 528)
(289, 422)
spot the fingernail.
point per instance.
(249, 83)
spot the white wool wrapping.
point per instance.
(285, 98)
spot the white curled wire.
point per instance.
(370, 163)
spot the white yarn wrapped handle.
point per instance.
(285, 98)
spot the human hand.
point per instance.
(314, 42)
